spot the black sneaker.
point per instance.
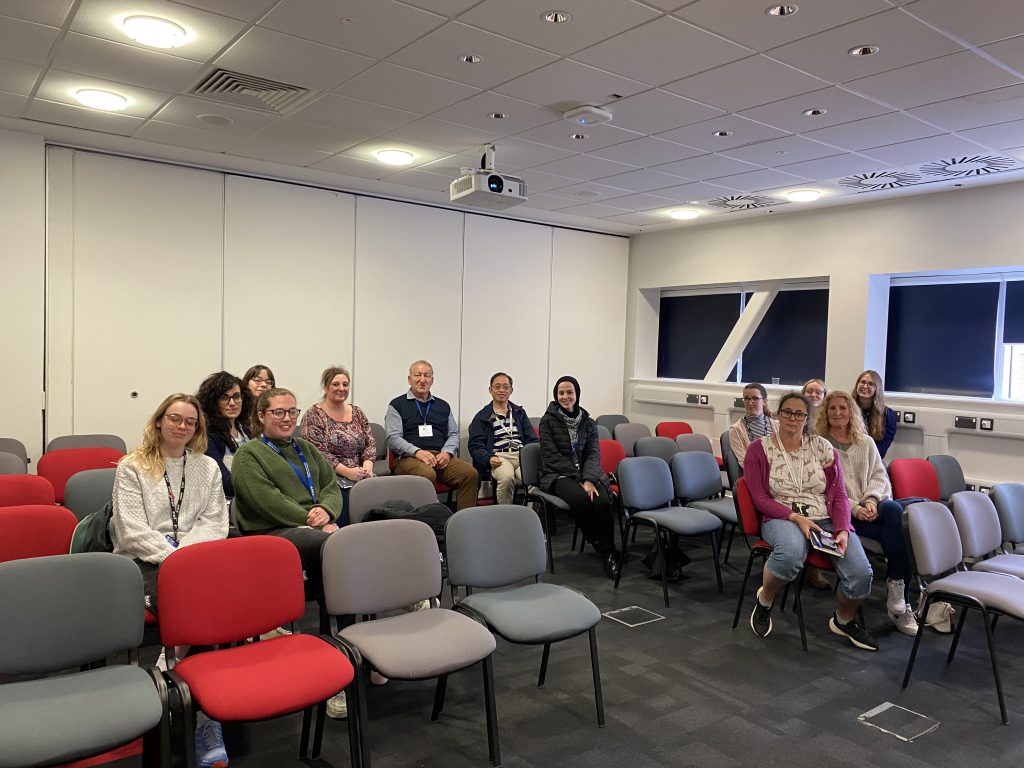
(761, 618)
(853, 632)
(612, 563)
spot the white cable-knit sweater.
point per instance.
(142, 511)
(866, 479)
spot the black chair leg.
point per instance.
(917, 644)
(728, 547)
(304, 736)
(493, 748)
(743, 589)
(664, 563)
(995, 667)
(956, 635)
(798, 609)
(625, 552)
(715, 552)
(439, 692)
(318, 725)
(598, 695)
(544, 665)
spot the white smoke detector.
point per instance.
(588, 116)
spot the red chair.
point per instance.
(914, 478)
(222, 592)
(16, 490)
(673, 429)
(35, 530)
(59, 466)
(612, 453)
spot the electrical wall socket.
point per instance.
(965, 422)
(737, 402)
(704, 400)
(987, 424)
(909, 417)
(692, 399)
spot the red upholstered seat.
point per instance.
(914, 477)
(35, 530)
(673, 429)
(25, 489)
(59, 466)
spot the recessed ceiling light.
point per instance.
(470, 58)
(816, 112)
(864, 50)
(722, 134)
(587, 193)
(803, 195)
(780, 152)
(556, 17)
(105, 100)
(782, 10)
(684, 214)
(211, 119)
(155, 32)
(498, 115)
(394, 157)
(349, 21)
(577, 136)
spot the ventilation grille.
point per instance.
(744, 202)
(251, 92)
(878, 180)
(975, 165)
(461, 185)
(929, 173)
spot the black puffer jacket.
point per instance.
(556, 451)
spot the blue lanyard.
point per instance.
(308, 479)
(420, 409)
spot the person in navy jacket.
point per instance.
(496, 434)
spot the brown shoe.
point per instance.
(817, 579)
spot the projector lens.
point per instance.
(495, 183)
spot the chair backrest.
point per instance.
(58, 466)
(1009, 501)
(603, 433)
(914, 477)
(645, 483)
(934, 538)
(15, 446)
(25, 489)
(67, 610)
(87, 441)
(612, 453)
(950, 473)
(223, 591)
(694, 442)
(733, 470)
(661, 447)
(380, 439)
(374, 491)
(696, 476)
(610, 420)
(529, 464)
(380, 566)
(746, 512)
(672, 429)
(535, 421)
(978, 522)
(12, 464)
(494, 545)
(628, 434)
(35, 530)
(89, 491)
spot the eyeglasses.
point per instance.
(178, 420)
(280, 413)
(260, 380)
(235, 398)
(794, 415)
(501, 387)
(751, 399)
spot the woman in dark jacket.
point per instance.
(224, 401)
(570, 468)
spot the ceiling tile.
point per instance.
(246, 10)
(209, 32)
(977, 109)
(11, 104)
(58, 86)
(322, 138)
(447, 8)
(589, 192)
(185, 110)
(368, 151)
(746, 22)
(277, 56)
(567, 84)
(788, 149)
(925, 150)
(939, 79)
(421, 180)
(978, 22)
(842, 106)
(126, 63)
(272, 152)
(641, 202)
(696, 191)
(51, 13)
(1002, 136)
(377, 29)
(80, 117)
(559, 134)
(24, 41)
(651, 53)
(538, 181)
(401, 88)
(515, 153)
(874, 132)
(834, 167)
(901, 40)
(646, 152)
(17, 77)
(584, 167)
(755, 181)
(181, 136)
(352, 115)
(706, 167)
(593, 210)
(1009, 52)
(741, 131)
(351, 166)
(748, 82)
(476, 110)
(439, 134)
(547, 202)
(502, 59)
(591, 22)
(642, 181)
(639, 219)
(655, 111)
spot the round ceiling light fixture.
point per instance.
(815, 112)
(155, 32)
(95, 98)
(578, 136)
(556, 17)
(497, 115)
(217, 120)
(470, 58)
(684, 214)
(864, 50)
(787, 9)
(394, 157)
(803, 195)
(722, 134)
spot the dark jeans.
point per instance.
(309, 542)
(888, 529)
(343, 518)
(149, 572)
(594, 518)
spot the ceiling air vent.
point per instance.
(877, 180)
(975, 165)
(251, 92)
(744, 202)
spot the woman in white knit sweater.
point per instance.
(875, 515)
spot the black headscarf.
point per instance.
(575, 385)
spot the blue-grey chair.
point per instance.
(628, 434)
(951, 476)
(494, 549)
(529, 467)
(603, 433)
(981, 536)
(698, 483)
(87, 441)
(611, 420)
(381, 468)
(12, 464)
(1009, 501)
(663, 448)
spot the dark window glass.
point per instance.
(691, 332)
(1013, 319)
(941, 339)
(789, 345)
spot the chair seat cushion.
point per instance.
(535, 613)
(723, 509)
(685, 521)
(421, 644)
(995, 590)
(265, 679)
(1009, 564)
(75, 715)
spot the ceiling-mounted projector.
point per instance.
(486, 188)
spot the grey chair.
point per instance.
(603, 433)
(11, 464)
(698, 484)
(492, 548)
(535, 421)
(628, 434)
(374, 491)
(611, 420)
(382, 566)
(981, 536)
(733, 470)
(663, 448)
(645, 484)
(694, 442)
(89, 490)
(939, 558)
(86, 441)
(15, 446)
(380, 461)
(98, 596)
(951, 476)
(1009, 501)
(529, 467)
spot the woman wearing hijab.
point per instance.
(570, 468)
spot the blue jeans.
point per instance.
(789, 551)
(887, 528)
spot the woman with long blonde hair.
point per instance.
(879, 420)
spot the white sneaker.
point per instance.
(337, 707)
(161, 661)
(940, 617)
(895, 599)
(423, 605)
(279, 632)
(906, 622)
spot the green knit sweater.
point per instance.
(268, 493)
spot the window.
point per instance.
(790, 342)
(691, 332)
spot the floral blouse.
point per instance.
(347, 443)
